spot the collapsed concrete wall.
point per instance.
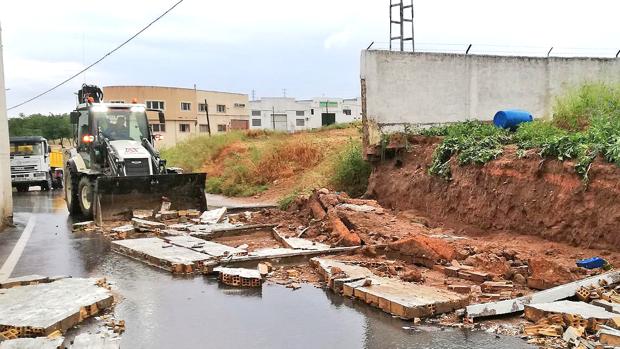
(426, 88)
(6, 203)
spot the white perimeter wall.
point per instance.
(423, 88)
(6, 201)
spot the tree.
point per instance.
(51, 127)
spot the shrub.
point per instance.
(351, 171)
(576, 109)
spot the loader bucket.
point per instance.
(116, 197)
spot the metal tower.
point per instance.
(399, 12)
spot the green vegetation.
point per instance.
(586, 124)
(51, 127)
(351, 171)
(194, 152)
(285, 202)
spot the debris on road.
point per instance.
(212, 216)
(40, 309)
(240, 277)
(402, 299)
(31, 343)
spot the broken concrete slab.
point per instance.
(535, 312)
(281, 254)
(403, 299)
(240, 277)
(546, 296)
(608, 306)
(166, 215)
(82, 226)
(127, 228)
(94, 341)
(32, 343)
(213, 216)
(161, 254)
(180, 226)
(298, 243)
(609, 336)
(214, 231)
(209, 248)
(357, 208)
(23, 280)
(145, 225)
(142, 214)
(38, 310)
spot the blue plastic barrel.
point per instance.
(591, 263)
(511, 118)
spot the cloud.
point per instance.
(338, 39)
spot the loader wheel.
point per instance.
(85, 197)
(22, 188)
(71, 186)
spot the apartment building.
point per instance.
(290, 114)
(186, 114)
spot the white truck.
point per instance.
(30, 164)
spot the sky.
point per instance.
(310, 48)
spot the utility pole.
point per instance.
(6, 197)
(402, 20)
(208, 121)
(284, 92)
(253, 94)
(273, 117)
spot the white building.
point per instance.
(289, 114)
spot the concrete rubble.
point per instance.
(402, 299)
(32, 343)
(239, 277)
(390, 260)
(43, 308)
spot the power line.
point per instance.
(97, 61)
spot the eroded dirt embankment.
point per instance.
(525, 196)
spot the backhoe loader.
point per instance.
(114, 168)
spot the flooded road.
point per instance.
(162, 311)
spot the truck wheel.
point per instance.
(47, 185)
(71, 185)
(85, 197)
(22, 188)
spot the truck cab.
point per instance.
(30, 163)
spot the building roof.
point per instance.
(28, 139)
(172, 87)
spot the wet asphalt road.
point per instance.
(162, 311)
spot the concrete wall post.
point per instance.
(6, 200)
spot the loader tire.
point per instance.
(71, 186)
(85, 197)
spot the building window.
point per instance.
(204, 128)
(256, 122)
(201, 107)
(221, 108)
(300, 122)
(159, 105)
(159, 127)
(221, 128)
(255, 112)
(346, 111)
(300, 113)
(117, 101)
(186, 106)
(311, 111)
(184, 127)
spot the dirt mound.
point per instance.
(525, 196)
